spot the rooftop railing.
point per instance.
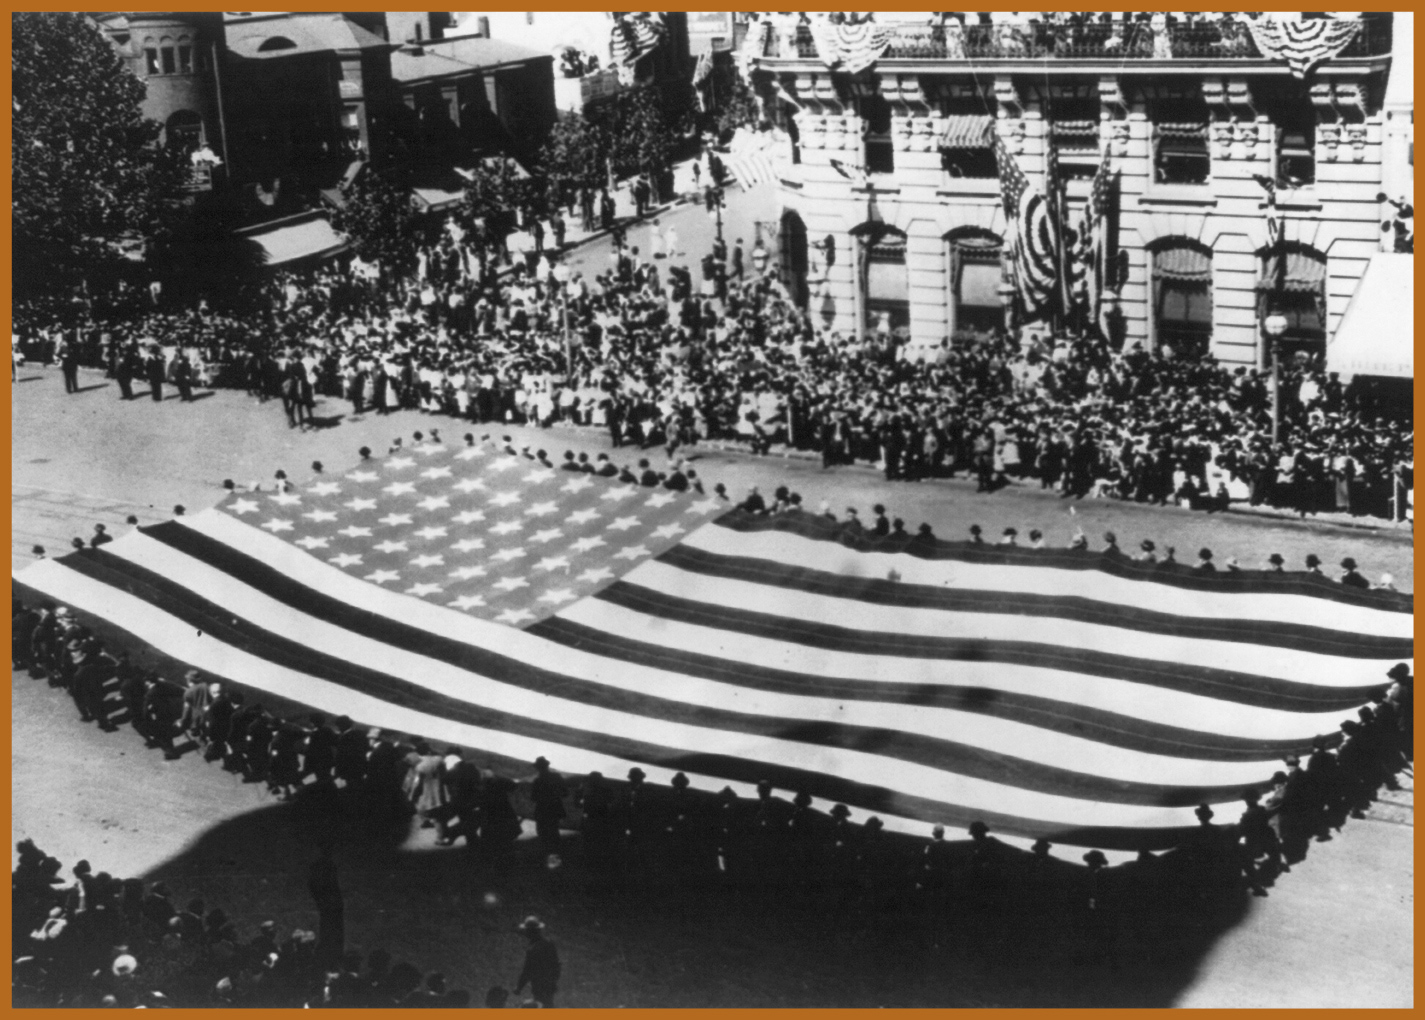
(1197, 40)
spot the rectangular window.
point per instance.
(185, 60)
(1185, 316)
(1180, 153)
(880, 150)
(1296, 155)
(170, 65)
(151, 61)
(887, 288)
(1305, 330)
(977, 300)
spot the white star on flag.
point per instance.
(286, 498)
(553, 563)
(312, 542)
(466, 573)
(506, 527)
(660, 499)
(346, 560)
(429, 533)
(514, 617)
(436, 472)
(318, 516)
(596, 574)
(428, 560)
(631, 552)
(434, 503)
(548, 535)
(704, 506)
(469, 544)
(577, 484)
(396, 463)
(392, 520)
(511, 583)
(469, 484)
(505, 464)
(382, 576)
(624, 523)
(389, 546)
(669, 530)
(542, 475)
(469, 453)
(325, 489)
(542, 509)
(399, 488)
(582, 516)
(244, 506)
(504, 499)
(363, 476)
(469, 516)
(360, 504)
(620, 493)
(585, 544)
(506, 555)
(278, 524)
(467, 602)
(424, 588)
(355, 532)
(557, 595)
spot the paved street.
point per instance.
(1335, 931)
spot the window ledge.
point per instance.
(969, 186)
(875, 187)
(1299, 198)
(1178, 194)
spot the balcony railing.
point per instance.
(1200, 40)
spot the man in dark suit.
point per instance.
(649, 478)
(154, 368)
(125, 368)
(183, 376)
(606, 467)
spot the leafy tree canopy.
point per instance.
(87, 169)
(379, 221)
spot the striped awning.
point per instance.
(967, 131)
(1305, 273)
(1183, 264)
(1183, 129)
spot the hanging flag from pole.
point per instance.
(1094, 245)
(1058, 212)
(1033, 235)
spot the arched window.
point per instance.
(185, 55)
(168, 56)
(1293, 282)
(974, 272)
(885, 283)
(1182, 296)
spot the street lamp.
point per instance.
(1274, 325)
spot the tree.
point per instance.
(496, 189)
(738, 109)
(379, 221)
(87, 169)
(640, 136)
(575, 63)
(575, 154)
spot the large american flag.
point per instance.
(476, 598)
(1033, 234)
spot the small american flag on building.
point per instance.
(480, 599)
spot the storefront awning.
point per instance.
(437, 199)
(1377, 333)
(967, 131)
(306, 235)
(1183, 263)
(1305, 273)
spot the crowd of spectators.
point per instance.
(661, 357)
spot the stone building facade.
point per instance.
(891, 209)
